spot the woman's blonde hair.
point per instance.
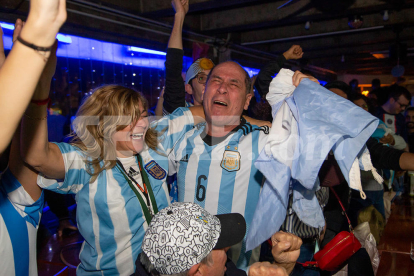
(109, 109)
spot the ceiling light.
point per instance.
(355, 22)
(386, 16)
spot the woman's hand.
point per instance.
(44, 21)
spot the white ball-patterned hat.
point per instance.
(183, 234)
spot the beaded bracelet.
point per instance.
(34, 118)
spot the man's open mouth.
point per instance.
(220, 103)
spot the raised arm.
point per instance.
(2, 55)
(176, 38)
(384, 157)
(23, 173)
(407, 161)
(44, 20)
(174, 95)
(267, 73)
(43, 156)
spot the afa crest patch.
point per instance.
(155, 170)
(231, 161)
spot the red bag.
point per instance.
(338, 250)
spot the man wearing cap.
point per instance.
(196, 75)
(185, 239)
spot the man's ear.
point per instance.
(248, 99)
(202, 94)
(189, 89)
(195, 270)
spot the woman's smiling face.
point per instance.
(131, 140)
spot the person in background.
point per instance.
(354, 83)
(185, 239)
(340, 88)
(375, 83)
(196, 76)
(398, 100)
(386, 135)
(409, 126)
(382, 158)
(390, 113)
(259, 107)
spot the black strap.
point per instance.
(343, 208)
(34, 47)
(143, 190)
(149, 187)
(146, 208)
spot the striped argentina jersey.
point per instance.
(109, 214)
(221, 176)
(19, 220)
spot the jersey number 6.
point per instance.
(201, 188)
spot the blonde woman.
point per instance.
(116, 166)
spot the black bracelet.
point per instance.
(34, 47)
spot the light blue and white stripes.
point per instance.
(202, 180)
(109, 214)
(19, 220)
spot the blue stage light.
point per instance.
(85, 48)
(7, 26)
(64, 38)
(147, 51)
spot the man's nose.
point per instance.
(222, 88)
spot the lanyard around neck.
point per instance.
(147, 190)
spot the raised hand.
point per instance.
(299, 76)
(44, 21)
(43, 87)
(180, 6)
(294, 52)
(387, 139)
(286, 249)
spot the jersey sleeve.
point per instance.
(29, 209)
(75, 172)
(173, 126)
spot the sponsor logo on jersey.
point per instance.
(155, 170)
(184, 159)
